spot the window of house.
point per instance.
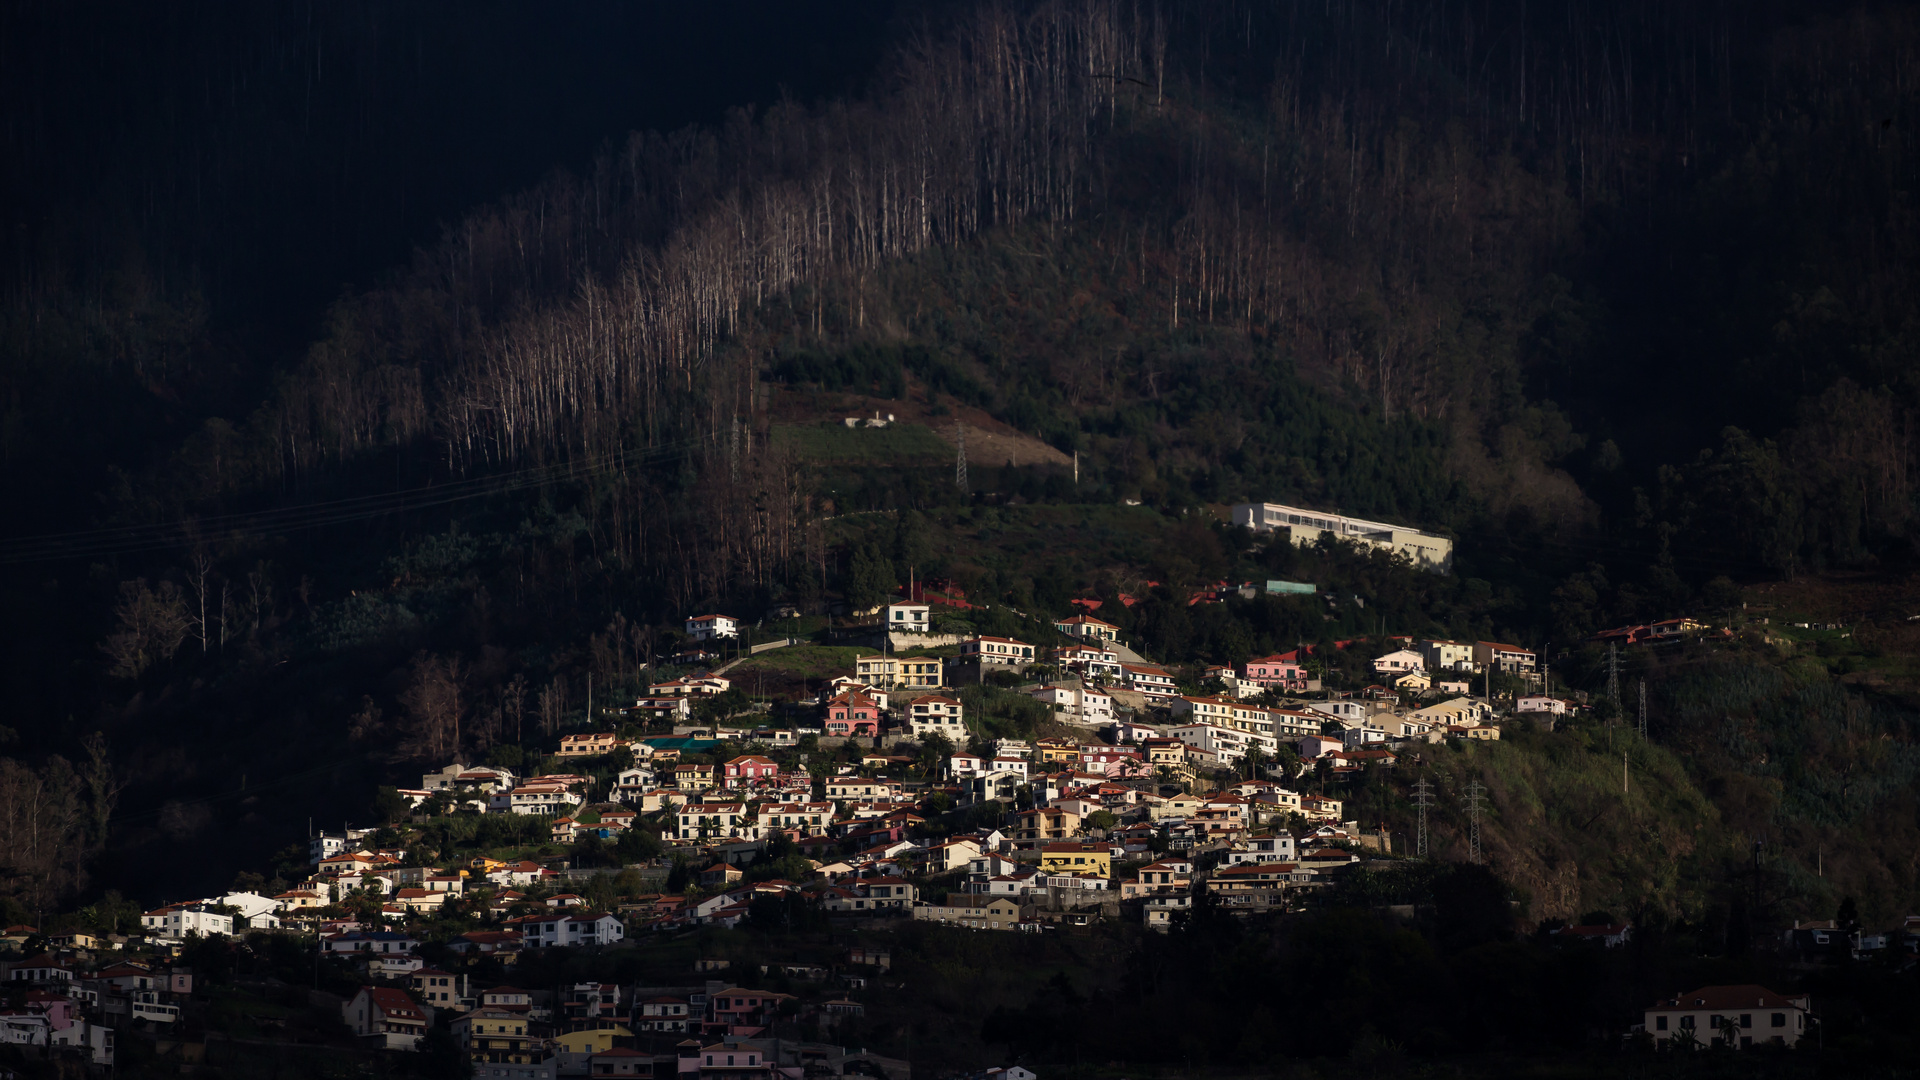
(1779, 1019)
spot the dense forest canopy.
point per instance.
(1617, 294)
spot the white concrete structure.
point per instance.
(1302, 527)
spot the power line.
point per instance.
(123, 539)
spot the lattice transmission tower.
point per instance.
(1422, 798)
(1476, 799)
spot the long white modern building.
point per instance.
(1303, 527)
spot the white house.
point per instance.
(534, 797)
(710, 627)
(996, 650)
(178, 920)
(555, 929)
(261, 912)
(1150, 680)
(1340, 710)
(633, 784)
(715, 821)
(1447, 655)
(1088, 628)
(806, 818)
(1078, 702)
(1748, 1014)
(1398, 662)
(936, 714)
(1226, 744)
(1541, 703)
(1095, 661)
(912, 618)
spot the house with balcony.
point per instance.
(569, 928)
(385, 1017)
(904, 672)
(748, 770)
(1093, 661)
(937, 714)
(495, 1036)
(697, 822)
(1149, 680)
(1510, 659)
(996, 650)
(1088, 629)
(588, 744)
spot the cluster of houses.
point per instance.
(1163, 798)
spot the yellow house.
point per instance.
(591, 1042)
(1075, 857)
(497, 1036)
(1052, 750)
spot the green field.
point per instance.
(803, 661)
(833, 442)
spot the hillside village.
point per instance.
(1144, 791)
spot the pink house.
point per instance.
(747, 770)
(852, 713)
(57, 1008)
(1275, 671)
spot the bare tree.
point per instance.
(435, 702)
(150, 625)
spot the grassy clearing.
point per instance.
(802, 661)
(825, 442)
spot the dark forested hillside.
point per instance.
(1620, 295)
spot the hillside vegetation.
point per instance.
(1552, 282)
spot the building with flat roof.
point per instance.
(1302, 527)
